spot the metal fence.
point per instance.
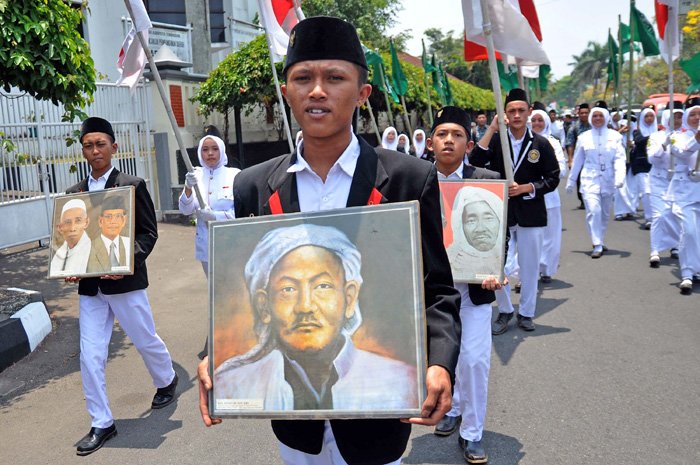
(37, 161)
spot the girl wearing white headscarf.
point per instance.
(665, 228)
(551, 245)
(637, 178)
(599, 159)
(390, 139)
(418, 148)
(684, 193)
(403, 144)
(215, 182)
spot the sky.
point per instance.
(567, 25)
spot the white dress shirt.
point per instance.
(108, 243)
(99, 183)
(457, 174)
(316, 195)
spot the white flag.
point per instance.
(512, 33)
(532, 71)
(667, 22)
(132, 58)
(279, 17)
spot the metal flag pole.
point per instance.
(374, 121)
(287, 131)
(166, 103)
(671, 119)
(629, 91)
(386, 94)
(427, 89)
(495, 83)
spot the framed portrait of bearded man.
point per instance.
(93, 234)
(474, 221)
(318, 315)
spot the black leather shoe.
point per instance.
(165, 396)
(447, 425)
(474, 452)
(546, 279)
(95, 438)
(597, 254)
(500, 326)
(674, 253)
(605, 249)
(518, 287)
(526, 323)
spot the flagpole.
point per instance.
(386, 94)
(495, 83)
(615, 81)
(374, 120)
(618, 84)
(297, 10)
(405, 115)
(629, 91)
(166, 103)
(427, 86)
(671, 119)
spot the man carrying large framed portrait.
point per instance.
(326, 75)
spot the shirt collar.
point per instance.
(459, 172)
(347, 161)
(513, 139)
(104, 176)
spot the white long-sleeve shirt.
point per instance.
(600, 160)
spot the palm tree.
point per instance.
(591, 65)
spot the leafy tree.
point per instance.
(450, 49)
(244, 80)
(371, 17)
(591, 65)
(42, 53)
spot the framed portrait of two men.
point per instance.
(318, 315)
(475, 220)
(93, 234)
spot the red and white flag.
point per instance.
(279, 17)
(515, 26)
(667, 22)
(132, 58)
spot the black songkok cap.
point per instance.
(324, 38)
(113, 202)
(601, 104)
(583, 106)
(452, 115)
(692, 102)
(212, 131)
(516, 94)
(95, 124)
(539, 106)
(480, 112)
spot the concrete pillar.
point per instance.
(197, 12)
(160, 140)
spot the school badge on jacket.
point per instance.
(533, 156)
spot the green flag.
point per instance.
(509, 79)
(397, 76)
(644, 33)
(612, 45)
(612, 70)
(371, 56)
(692, 67)
(427, 66)
(625, 45)
(449, 100)
(544, 71)
(376, 61)
(437, 81)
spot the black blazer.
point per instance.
(146, 234)
(539, 166)
(397, 178)
(640, 162)
(478, 294)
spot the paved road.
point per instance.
(611, 375)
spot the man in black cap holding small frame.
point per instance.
(326, 80)
(117, 296)
(535, 173)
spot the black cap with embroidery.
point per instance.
(212, 131)
(516, 94)
(95, 124)
(584, 106)
(601, 104)
(324, 38)
(452, 115)
(539, 106)
(692, 102)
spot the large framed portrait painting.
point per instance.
(93, 234)
(474, 220)
(318, 315)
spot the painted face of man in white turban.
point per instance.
(74, 221)
(481, 225)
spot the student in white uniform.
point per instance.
(665, 228)
(685, 193)
(390, 138)
(404, 144)
(599, 158)
(551, 244)
(215, 182)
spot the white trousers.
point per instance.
(96, 319)
(330, 455)
(551, 243)
(597, 215)
(471, 384)
(627, 197)
(688, 214)
(528, 244)
(665, 228)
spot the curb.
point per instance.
(24, 330)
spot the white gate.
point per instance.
(36, 164)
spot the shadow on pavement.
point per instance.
(428, 448)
